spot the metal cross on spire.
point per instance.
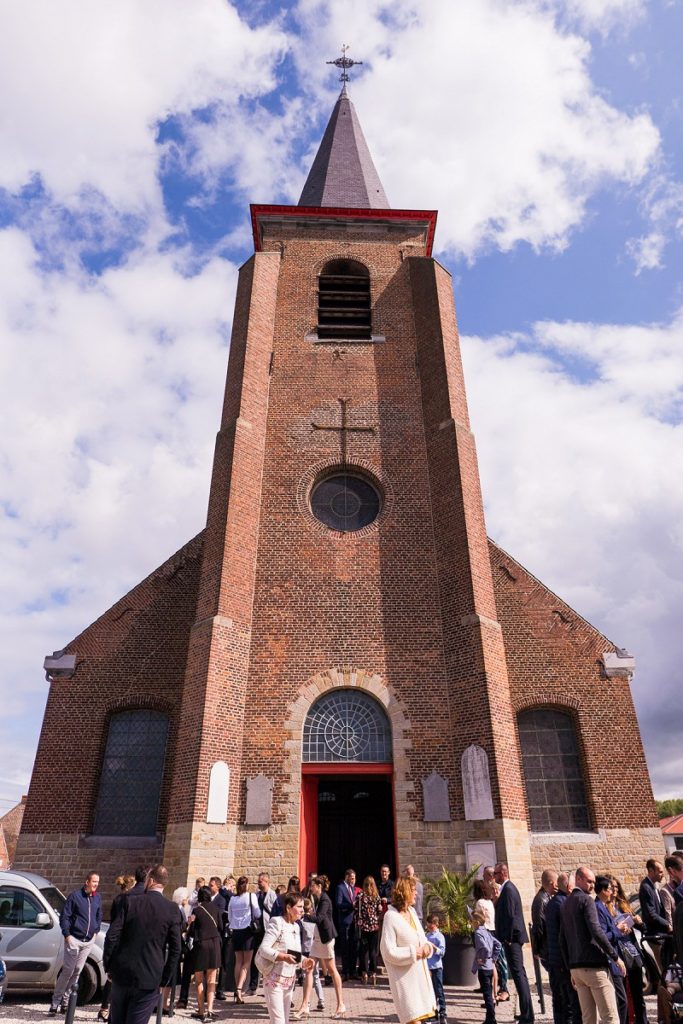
(344, 63)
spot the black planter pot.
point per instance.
(457, 962)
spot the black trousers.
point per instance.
(515, 959)
(132, 1005)
(486, 985)
(566, 1006)
(635, 984)
(622, 1000)
(349, 948)
(367, 946)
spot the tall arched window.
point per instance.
(132, 774)
(344, 300)
(347, 725)
(555, 790)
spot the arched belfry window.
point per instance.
(132, 774)
(344, 300)
(347, 725)
(555, 791)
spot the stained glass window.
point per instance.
(132, 774)
(553, 775)
(347, 725)
(345, 502)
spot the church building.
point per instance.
(341, 669)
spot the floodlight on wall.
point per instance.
(618, 664)
(59, 665)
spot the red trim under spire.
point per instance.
(427, 217)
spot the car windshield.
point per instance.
(54, 898)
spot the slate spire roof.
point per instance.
(343, 173)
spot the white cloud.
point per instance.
(583, 483)
(513, 136)
(662, 205)
(603, 15)
(112, 400)
(91, 80)
(647, 251)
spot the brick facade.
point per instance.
(239, 633)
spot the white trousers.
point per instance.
(278, 992)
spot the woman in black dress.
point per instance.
(205, 928)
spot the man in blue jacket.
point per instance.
(80, 922)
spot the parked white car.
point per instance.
(31, 942)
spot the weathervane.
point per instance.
(344, 63)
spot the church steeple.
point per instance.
(343, 173)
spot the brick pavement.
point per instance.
(365, 1004)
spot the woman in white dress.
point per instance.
(278, 957)
(405, 951)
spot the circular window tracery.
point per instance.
(347, 725)
(345, 501)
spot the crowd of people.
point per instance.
(226, 935)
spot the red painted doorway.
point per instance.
(347, 820)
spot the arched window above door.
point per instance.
(347, 726)
(553, 774)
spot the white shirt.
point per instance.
(239, 914)
(489, 912)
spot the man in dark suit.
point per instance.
(511, 931)
(651, 910)
(142, 950)
(345, 897)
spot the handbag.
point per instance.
(630, 955)
(264, 965)
(256, 924)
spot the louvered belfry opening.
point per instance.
(344, 300)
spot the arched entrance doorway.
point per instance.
(347, 806)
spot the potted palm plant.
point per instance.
(450, 896)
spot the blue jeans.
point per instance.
(437, 982)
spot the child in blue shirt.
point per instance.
(435, 963)
(486, 951)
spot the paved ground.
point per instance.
(365, 1004)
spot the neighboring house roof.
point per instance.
(673, 825)
(10, 827)
(343, 173)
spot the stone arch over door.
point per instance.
(348, 677)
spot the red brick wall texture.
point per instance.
(225, 634)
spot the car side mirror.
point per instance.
(43, 921)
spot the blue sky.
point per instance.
(546, 133)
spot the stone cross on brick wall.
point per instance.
(345, 428)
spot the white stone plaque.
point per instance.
(219, 788)
(259, 801)
(476, 784)
(481, 852)
(435, 798)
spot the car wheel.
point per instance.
(87, 984)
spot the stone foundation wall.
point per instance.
(621, 851)
(66, 859)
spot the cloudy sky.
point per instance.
(132, 138)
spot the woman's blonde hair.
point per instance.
(370, 887)
(402, 892)
(477, 918)
(124, 882)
